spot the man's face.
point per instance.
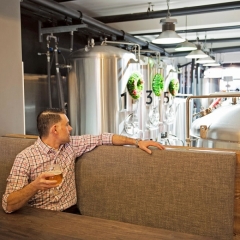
(64, 129)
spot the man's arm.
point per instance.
(123, 140)
(19, 198)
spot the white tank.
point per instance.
(219, 129)
(99, 98)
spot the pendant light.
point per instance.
(211, 64)
(186, 46)
(205, 60)
(168, 35)
(198, 53)
(214, 64)
(208, 59)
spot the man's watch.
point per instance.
(137, 141)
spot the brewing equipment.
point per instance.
(101, 98)
(153, 71)
(219, 128)
(98, 97)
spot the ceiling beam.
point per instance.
(174, 12)
(226, 49)
(214, 50)
(212, 29)
(219, 40)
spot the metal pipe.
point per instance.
(59, 83)
(48, 38)
(192, 68)
(91, 21)
(49, 75)
(42, 12)
(39, 31)
(58, 75)
(174, 12)
(184, 65)
(71, 42)
(49, 83)
(158, 54)
(188, 141)
(125, 43)
(58, 8)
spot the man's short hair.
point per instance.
(47, 118)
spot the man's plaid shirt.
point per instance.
(31, 162)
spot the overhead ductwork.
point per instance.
(54, 6)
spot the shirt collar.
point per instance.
(45, 148)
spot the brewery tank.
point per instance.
(98, 97)
(152, 103)
(219, 129)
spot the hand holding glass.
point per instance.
(57, 171)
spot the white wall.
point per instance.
(11, 81)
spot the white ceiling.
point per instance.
(98, 8)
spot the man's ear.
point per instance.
(53, 129)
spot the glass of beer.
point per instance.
(57, 171)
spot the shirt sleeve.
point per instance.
(86, 143)
(17, 179)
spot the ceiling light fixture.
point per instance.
(214, 64)
(185, 46)
(168, 35)
(198, 53)
(205, 60)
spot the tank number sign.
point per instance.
(124, 96)
(149, 98)
(166, 97)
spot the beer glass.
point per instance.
(56, 170)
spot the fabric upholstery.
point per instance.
(180, 190)
(9, 148)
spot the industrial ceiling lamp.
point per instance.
(198, 53)
(214, 63)
(185, 46)
(205, 60)
(208, 59)
(168, 35)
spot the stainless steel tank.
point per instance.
(219, 129)
(209, 85)
(98, 97)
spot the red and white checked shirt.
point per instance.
(31, 162)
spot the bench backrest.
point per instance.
(9, 148)
(181, 190)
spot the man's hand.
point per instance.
(41, 182)
(145, 144)
(120, 140)
(19, 198)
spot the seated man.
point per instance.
(28, 180)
